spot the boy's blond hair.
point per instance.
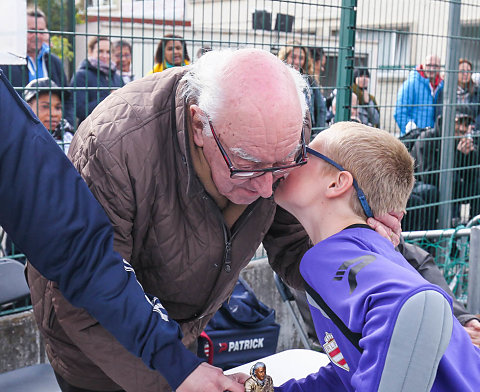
(378, 161)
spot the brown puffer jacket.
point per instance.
(133, 152)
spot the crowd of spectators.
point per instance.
(108, 67)
(62, 104)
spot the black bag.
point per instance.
(411, 137)
(242, 330)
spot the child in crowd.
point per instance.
(382, 325)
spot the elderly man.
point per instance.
(48, 210)
(416, 99)
(186, 174)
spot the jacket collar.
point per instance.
(180, 111)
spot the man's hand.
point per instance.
(388, 226)
(207, 378)
(473, 329)
(465, 145)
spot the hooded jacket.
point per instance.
(416, 101)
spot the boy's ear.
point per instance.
(340, 184)
(196, 116)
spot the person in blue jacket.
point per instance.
(42, 195)
(96, 77)
(40, 61)
(418, 96)
(383, 327)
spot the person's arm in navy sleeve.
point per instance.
(49, 212)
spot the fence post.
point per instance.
(345, 60)
(448, 115)
(473, 301)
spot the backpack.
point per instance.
(242, 330)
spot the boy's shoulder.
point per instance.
(354, 256)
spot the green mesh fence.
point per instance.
(357, 56)
(450, 250)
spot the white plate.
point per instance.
(282, 366)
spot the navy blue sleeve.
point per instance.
(49, 212)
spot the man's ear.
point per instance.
(197, 116)
(340, 184)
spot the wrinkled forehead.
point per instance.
(263, 144)
(270, 129)
(260, 102)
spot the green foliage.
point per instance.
(58, 13)
(61, 47)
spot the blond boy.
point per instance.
(384, 327)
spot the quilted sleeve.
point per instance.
(286, 242)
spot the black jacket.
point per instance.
(427, 154)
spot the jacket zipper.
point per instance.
(228, 237)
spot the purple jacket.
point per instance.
(367, 284)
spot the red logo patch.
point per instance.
(334, 353)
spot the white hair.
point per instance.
(203, 86)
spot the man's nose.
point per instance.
(263, 185)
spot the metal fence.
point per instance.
(371, 47)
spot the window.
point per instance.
(98, 3)
(393, 45)
(470, 47)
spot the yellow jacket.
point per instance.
(163, 66)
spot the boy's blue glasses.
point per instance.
(360, 194)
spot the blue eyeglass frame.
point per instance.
(360, 194)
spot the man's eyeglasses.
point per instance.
(360, 194)
(277, 171)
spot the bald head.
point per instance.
(431, 67)
(431, 59)
(256, 105)
(258, 85)
(243, 75)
